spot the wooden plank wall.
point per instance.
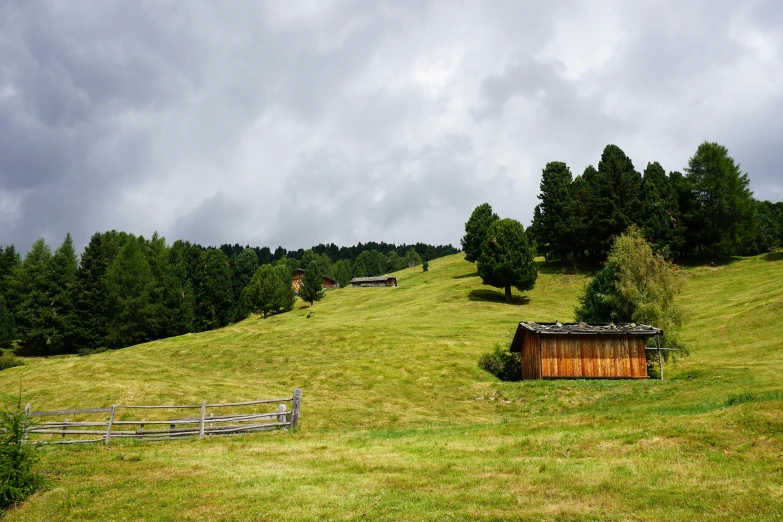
(583, 356)
(531, 357)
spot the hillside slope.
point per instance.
(398, 422)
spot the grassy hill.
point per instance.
(399, 423)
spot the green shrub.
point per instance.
(501, 363)
(10, 362)
(18, 475)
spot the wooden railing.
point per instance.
(72, 431)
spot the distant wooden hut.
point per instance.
(297, 274)
(384, 280)
(583, 351)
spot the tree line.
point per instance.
(708, 210)
(126, 289)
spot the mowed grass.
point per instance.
(399, 423)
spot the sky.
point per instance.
(298, 123)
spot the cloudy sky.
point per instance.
(295, 123)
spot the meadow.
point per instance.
(399, 423)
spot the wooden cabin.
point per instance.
(297, 274)
(583, 351)
(364, 282)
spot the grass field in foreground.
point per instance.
(398, 422)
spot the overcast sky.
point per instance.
(297, 123)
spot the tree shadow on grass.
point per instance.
(774, 256)
(465, 276)
(496, 297)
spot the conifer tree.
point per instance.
(287, 295)
(90, 298)
(32, 310)
(60, 287)
(556, 231)
(660, 216)
(476, 231)
(724, 202)
(262, 295)
(129, 281)
(425, 266)
(245, 266)
(506, 258)
(311, 290)
(178, 300)
(7, 324)
(616, 196)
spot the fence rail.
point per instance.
(118, 426)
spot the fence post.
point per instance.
(201, 423)
(26, 421)
(65, 427)
(141, 435)
(210, 419)
(295, 405)
(111, 421)
(660, 363)
(281, 415)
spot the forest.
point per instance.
(706, 212)
(126, 289)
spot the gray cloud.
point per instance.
(355, 121)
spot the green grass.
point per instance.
(399, 423)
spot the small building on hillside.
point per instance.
(583, 351)
(384, 280)
(297, 274)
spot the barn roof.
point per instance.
(558, 328)
(377, 279)
(591, 329)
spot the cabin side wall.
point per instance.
(592, 356)
(531, 356)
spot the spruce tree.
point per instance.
(616, 196)
(425, 267)
(178, 300)
(245, 266)
(556, 232)
(311, 290)
(60, 287)
(7, 324)
(506, 258)
(90, 298)
(32, 306)
(660, 216)
(129, 281)
(476, 231)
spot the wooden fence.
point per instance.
(70, 431)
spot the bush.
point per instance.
(503, 364)
(9, 362)
(18, 476)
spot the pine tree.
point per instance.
(724, 200)
(342, 272)
(90, 299)
(506, 258)
(213, 288)
(660, 216)
(476, 231)
(616, 196)
(425, 267)
(311, 290)
(178, 300)
(556, 232)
